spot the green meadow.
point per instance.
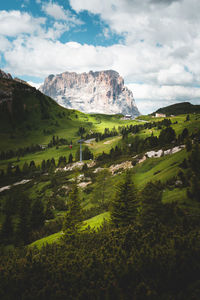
(92, 223)
(45, 119)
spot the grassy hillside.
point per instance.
(32, 118)
(78, 224)
(179, 108)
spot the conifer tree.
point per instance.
(101, 187)
(43, 166)
(152, 207)
(32, 166)
(124, 207)
(73, 215)
(53, 163)
(49, 211)
(193, 191)
(25, 168)
(17, 170)
(23, 226)
(9, 169)
(37, 215)
(7, 229)
(188, 144)
(194, 159)
(70, 159)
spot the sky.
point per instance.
(153, 44)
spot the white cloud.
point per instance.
(54, 10)
(13, 23)
(161, 48)
(175, 74)
(151, 97)
(57, 12)
(17, 23)
(4, 44)
(139, 63)
(34, 84)
(54, 57)
(148, 20)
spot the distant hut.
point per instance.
(127, 117)
(160, 115)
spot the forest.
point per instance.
(121, 224)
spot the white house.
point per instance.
(160, 115)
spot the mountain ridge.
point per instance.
(178, 109)
(93, 92)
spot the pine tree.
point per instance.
(194, 159)
(37, 215)
(48, 164)
(17, 170)
(70, 159)
(32, 166)
(7, 230)
(9, 169)
(193, 190)
(167, 136)
(53, 163)
(43, 166)
(25, 168)
(49, 211)
(187, 118)
(23, 226)
(152, 207)
(188, 144)
(87, 154)
(73, 216)
(124, 207)
(101, 187)
(184, 134)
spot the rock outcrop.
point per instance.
(21, 81)
(93, 92)
(5, 75)
(8, 85)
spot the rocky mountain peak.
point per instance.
(93, 92)
(5, 75)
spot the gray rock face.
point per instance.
(5, 75)
(93, 92)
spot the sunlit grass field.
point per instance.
(93, 223)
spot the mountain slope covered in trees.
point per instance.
(179, 108)
(122, 224)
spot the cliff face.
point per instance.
(5, 75)
(8, 86)
(93, 92)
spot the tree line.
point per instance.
(149, 250)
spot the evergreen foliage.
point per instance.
(127, 263)
(73, 217)
(70, 159)
(23, 225)
(179, 108)
(152, 207)
(37, 215)
(124, 208)
(7, 230)
(167, 136)
(101, 187)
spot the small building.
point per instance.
(160, 115)
(127, 117)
